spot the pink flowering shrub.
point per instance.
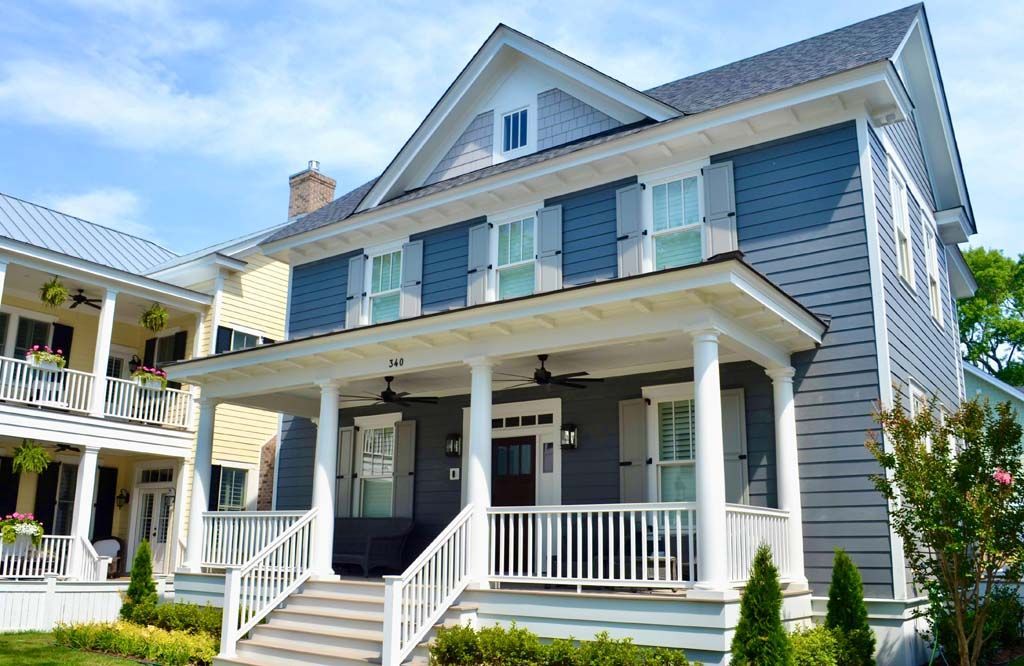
(20, 524)
(1003, 477)
(145, 374)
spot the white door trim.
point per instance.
(172, 527)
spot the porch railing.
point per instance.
(166, 407)
(265, 580)
(232, 538)
(747, 527)
(416, 600)
(55, 555)
(26, 383)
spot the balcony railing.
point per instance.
(54, 556)
(70, 390)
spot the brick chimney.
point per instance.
(310, 190)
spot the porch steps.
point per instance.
(326, 622)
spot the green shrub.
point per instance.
(847, 615)
(815, 646)
(760, 638)
(496, 646)
(169, 648)
(1003, 625)
(141, 589)
(178, 617)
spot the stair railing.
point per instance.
(255, 588)
(417, 599)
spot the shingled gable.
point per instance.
(871, 41)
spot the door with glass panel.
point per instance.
(156, 510)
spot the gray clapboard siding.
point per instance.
(800, 221)
(317, 302)
(445, 252)
(907, 142)
(919, 349)
(589, 250)
(474, 149)
(589, 473)
(562, 118)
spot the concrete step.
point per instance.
(275, 652)
(351, 618)
(298, 633)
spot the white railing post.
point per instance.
(232, 601)
(787, 469)
(200, 485)
(390, 655)
(478, 466)
(324, 480)
(104, 329)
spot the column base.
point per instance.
(797, 585)
(713, 594)
(324, 577)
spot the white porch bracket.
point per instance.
(324, 473)
(787, 464)
(200, 484)
(478, 467)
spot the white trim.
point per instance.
(648, 181)
(497, 221)
(363, 424)
(498, 153)
(901, 225)
(936, 308)
(215, 311)
(371, 253)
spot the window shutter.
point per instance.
(632, 451)
(214, 498)
(343, 475)
(8, 487)
(479, 262)
(629, 230)
(62, 336)
(720, 208)
(411, 300)
(180, 345)
(549, 248)
(354, 298)
(149, 355)
(267, 341)
(223, 343)
(405, 463)
(46, 496)
(106, 501)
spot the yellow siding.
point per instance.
(256, 297)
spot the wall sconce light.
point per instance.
(453, 445)
(122, 498)
(170, 496)
(570, 436)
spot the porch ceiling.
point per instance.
(612, 328)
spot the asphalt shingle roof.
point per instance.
(863, 43)
(40, 226)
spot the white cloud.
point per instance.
(113, 207)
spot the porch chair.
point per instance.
(371, 543)
(111, 547)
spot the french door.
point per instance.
(156, 511)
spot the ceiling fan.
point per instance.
(391, 397)
(61, 448)
(543, 377)
(81, 299)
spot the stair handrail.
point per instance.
(256, 587)
(415, 600)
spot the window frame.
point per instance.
(14, 316)
(233, 471)
(900, 211)
(525, 135)
(663, 177)
(165, 338)
(242, 330)
(496, 222)
(656, 395)
(394, 247)
(364, 425)
(929, 238)
(918, 400)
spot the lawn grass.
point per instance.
(38, 649)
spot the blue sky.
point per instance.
(181, 122)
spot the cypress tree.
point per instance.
(760, 638)
(847, 613)
(142, 588)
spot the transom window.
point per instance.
(232, 490)
(676, 449)
(516, 258)
(514, 126)
(901, 223)
(159, 475)
(385, 286)
(675, 208)
(931, 258)
(376, 472)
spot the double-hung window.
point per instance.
(385, 286)
(931, 258)
(232, 489)
(376, 467)
(515, 265)
(676, 449)
(29, 333)
(675, 212)
(901, 224)
(514, 130)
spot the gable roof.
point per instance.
(870, 41)
(37, 225)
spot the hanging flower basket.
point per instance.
(30, 457)
(45, 358)
(18, 531)
(154, 318)
(53, 293)
(150, 378)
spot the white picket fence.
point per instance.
(39, 605)
(416, 600)
(232, 538)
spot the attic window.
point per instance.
(514, 130)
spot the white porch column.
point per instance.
(478, 466)
(81, 517)
(200, 485)
(710, 465)
(3, 277)
(105, 327)
(324, 475)
(787, 467)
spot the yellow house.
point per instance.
(116, 444)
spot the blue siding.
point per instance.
(295, 464)
(907, 142)
(589, 250)
(317, 302)
(800, 221)
(445, 258)
(920, 350)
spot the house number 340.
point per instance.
(396, 362)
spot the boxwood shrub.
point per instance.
(178, 617)
(169, 648)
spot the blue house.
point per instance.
(580, 348)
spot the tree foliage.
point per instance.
(847, 614)
(958, 505)
(760, 638)
(141, 587)
(992, 321)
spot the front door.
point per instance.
(156, 507)
(513, 471)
